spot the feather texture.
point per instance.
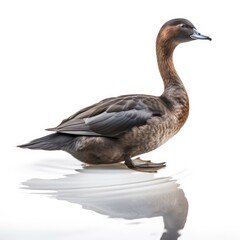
(112, 117)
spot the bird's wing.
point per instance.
(110, 117)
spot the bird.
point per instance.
(117, 129)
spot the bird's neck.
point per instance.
(174, 94)
(165, 64)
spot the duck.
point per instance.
(117, 129)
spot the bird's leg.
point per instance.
(143, 165)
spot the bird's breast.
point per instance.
(151, 135)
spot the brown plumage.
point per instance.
(119, 128)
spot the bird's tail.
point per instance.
(55, 141)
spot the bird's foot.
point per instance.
(144, 165)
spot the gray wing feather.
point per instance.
(105, 124)
(108, 118)
(113, 124)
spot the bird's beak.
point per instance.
(197, 35)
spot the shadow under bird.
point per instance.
(119, 128)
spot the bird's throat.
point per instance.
(174, 91)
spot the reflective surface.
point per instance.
(59, 199)
(120, 193)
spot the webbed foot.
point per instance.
(144, 165)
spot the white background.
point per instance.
(57, 57)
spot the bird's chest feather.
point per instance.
(150, 136)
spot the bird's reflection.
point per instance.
(121, 193)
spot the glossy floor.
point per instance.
(62, 199)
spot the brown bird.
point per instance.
(119, 128)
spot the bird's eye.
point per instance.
(183, 25)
